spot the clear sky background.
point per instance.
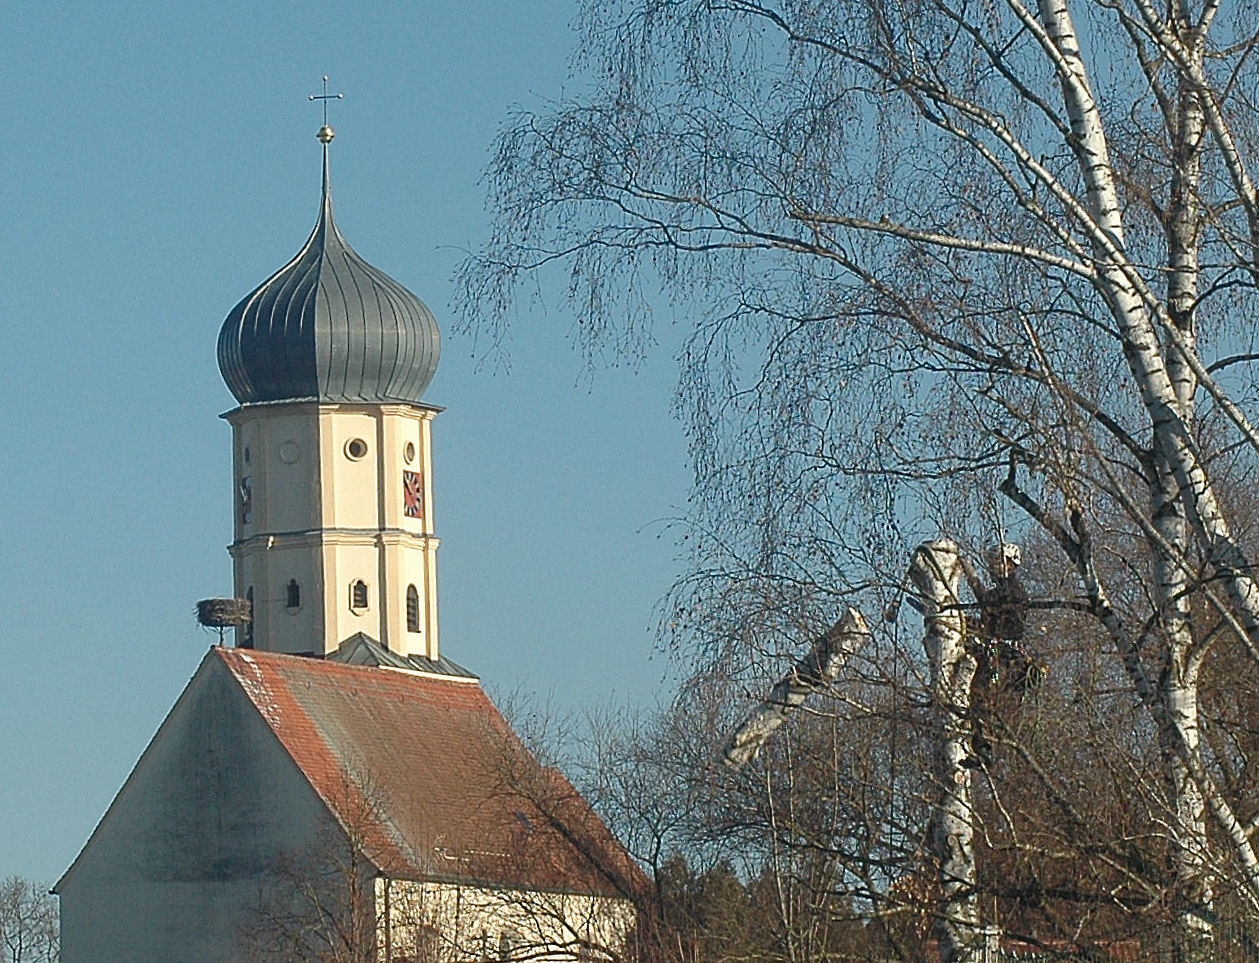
(158, 161)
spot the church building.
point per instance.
(332, 786)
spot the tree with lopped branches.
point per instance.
(971, 267)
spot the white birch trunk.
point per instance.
(1182, 493)
(1178, 731)
(1178, 684)
(937, 572)
(1118, 284)
(817, 670)
(1180, 692)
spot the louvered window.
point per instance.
(413, 609)
(247, 630)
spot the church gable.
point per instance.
(178, 859)
(270, 761)
(209, 797)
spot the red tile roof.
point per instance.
(428, 775)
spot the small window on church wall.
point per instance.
(293, 598)
(413, 609)
(358, 594)
(247, 630)
(507, 941)
(428, 944)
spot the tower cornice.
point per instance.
(274, 541)
(426, 410)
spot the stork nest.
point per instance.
(224, 613)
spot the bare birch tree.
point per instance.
(948, 265)
(29, 930)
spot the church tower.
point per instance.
(332, 453)
(379, 745)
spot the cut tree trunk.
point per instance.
(936, 572)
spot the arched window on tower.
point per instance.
(293, 598)
(413, 609)
(358, 594)
(247, 630)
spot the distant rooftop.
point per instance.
(362, 649)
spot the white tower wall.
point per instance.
(322, 519)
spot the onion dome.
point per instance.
(329, 327)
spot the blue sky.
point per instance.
(158, 161)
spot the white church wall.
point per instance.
(275, 461)
(174, 870)
(264, 572)
(282, 445)
(450, 922)
(351, 464)
(349, 558)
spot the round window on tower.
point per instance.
(409, 452)
(355, 449)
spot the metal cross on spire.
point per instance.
(326, 133)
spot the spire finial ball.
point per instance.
(326, 134)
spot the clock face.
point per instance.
(412, 494)
(246, 501)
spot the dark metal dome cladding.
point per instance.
(329, 327)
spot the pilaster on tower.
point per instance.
(332, 452)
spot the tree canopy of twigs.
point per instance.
(29, 930)
(978, 267)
